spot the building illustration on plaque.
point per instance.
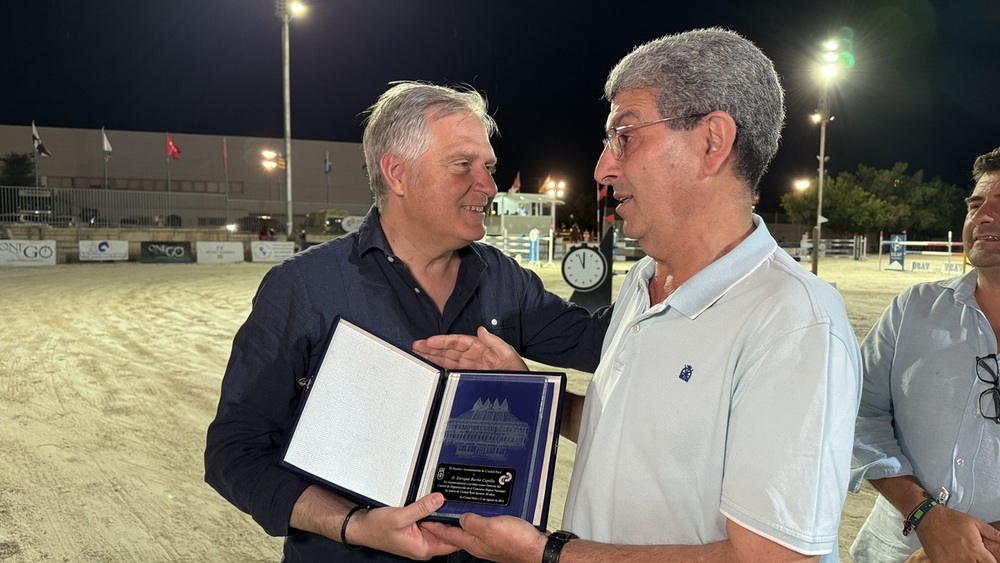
(488, 430)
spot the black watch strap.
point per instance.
(554, 545)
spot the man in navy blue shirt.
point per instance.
(411, 271)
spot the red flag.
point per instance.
(225, 156)
(516, 186)
(173, 151)
(610, 218)
(602, 192)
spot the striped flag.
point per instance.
(37, 142)
(327, 165)
(516, 186)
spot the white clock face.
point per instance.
(584, 268)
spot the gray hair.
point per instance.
(396, 124)
(701, 71)
(985, 164)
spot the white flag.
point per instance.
(37, 142)
(107, 143)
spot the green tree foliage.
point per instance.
(870, 200)
(16, 170)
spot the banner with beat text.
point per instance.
(219, 252)
(27, 253)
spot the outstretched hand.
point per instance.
(499, 538)
(461, 351)
(397, 530)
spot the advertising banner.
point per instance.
(219, 252)
(897, 252)
(27, 253)
(103, 250)
(268, 251)
(165, 252)
(351, 223)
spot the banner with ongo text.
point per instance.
(165, 252)
(103, 250)
(271, 251)
(219, 252)
(27, 253)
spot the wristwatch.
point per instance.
(554, 545)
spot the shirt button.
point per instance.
(416, 289)
(390, 258)
(493, 322)
(635, 328)
(960, 462)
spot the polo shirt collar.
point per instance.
(706, 287)
(964, 287)
(370, 235)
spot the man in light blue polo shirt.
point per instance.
(928, 431)
(719, 423)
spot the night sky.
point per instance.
(924, 90)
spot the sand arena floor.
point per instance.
(109, 375)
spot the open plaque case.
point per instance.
(384, 427)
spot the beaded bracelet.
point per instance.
(918, 514)
(343, 528)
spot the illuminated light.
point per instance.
(829, 71)
(831, 57)
(801, 184)
(297, 8)
(268, 154)
(847, 59)
(816, 117)
(831, 45)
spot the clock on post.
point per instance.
(587, 269)
(584, 268)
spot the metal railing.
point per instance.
(130, 208)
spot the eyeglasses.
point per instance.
(989, 400)
(616, 141)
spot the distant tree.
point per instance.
(16, 170)
(872, 199)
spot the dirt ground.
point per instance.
(109, 376)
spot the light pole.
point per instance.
(823, 116)
(285, 10)
(273, 159)
(836, 55)
(556, 189)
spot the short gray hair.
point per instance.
(397, 122)
(701, 71)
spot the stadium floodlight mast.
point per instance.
(836, 56)
(556, 189)
(286, 10)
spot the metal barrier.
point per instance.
(67, 207)
(856, 248)
(519, 247)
